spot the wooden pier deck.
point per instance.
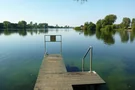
(54, 76)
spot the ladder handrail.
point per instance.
(89, 50)
(86, 53)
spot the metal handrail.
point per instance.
(45, 41)
(89, 50)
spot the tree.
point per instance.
(106, 25)
(91, 26)
(57, 26)
(6, 24)
(133, 24)
(13, 25)
(22, 24)
(110, 19)
(35, 25)
(1, 25)
(126, 22)
(99, 25)
(85, 26)
(103, 22)
(31, 24)
(43, 25)
(77, 28)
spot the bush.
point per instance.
(77, 28)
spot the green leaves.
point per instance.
(99, 25)
(126, 22)
(133, 24)
(22, 24)
(77, 28)
(6, 24)
(110, 19)
(91, 26)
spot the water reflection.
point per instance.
(114, 64)
(89, 32)
(132, 36)
(108, 38)
(24, 32)
(124, 36)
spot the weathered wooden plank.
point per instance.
(53, 64)
(54, 76)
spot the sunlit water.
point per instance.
(21, 56)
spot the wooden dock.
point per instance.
(54, 76)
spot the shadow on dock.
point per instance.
(72, 68)
(90, 87)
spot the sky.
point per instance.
(64, 12)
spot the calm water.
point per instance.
(21, 54)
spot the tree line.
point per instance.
(23, 25)
(107, 24)
(105, 28)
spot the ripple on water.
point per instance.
(4, 56)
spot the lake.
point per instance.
(21, 54)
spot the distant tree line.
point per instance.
(23, 25)
(107, 24)
(105, 28)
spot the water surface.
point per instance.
(21, 54)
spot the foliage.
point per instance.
(99, 25)
(106, 24)
(125, 22)
(85, 26)
(30, 25)
(43, 25)
(6, 24)
(77, 28)
(1, 25)
(22, 24)
(104, 28)
(110, 19)
(35, 25)
(109, 29)
(91, 26)
(133, 24)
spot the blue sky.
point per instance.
(64, 12)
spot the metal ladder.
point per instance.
(89, 50)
